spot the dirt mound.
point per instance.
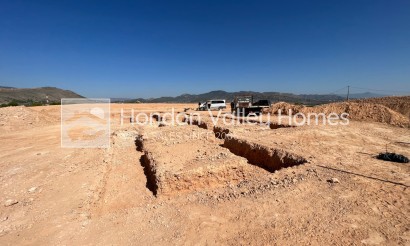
(398, 104)
(357, 111)
(17, 118)
(284, 107)
(362, 112)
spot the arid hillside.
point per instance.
(41, 94)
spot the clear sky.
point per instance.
(157, 48)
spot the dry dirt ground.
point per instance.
(254, 185)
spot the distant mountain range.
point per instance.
(309, 99)
(364, 95)
(54, 95)
(27, 95)
(229, 96)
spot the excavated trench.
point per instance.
(270, 159)
(163, 179)
(277, 126)
(201, 124)
(221, 132)
(149, 171)
(272, 125)
(139, 142)
(267, 158)
(152, 183)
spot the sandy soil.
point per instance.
(324, 185)
(399, 104)
(361, 110)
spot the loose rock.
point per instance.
(32, 189)
(10, 202)
(333, 181)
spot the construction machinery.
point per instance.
(244, 105)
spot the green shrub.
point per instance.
(13, 103)
(36, 104)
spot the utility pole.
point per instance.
(348, 91)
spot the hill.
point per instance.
(30, 95)
(362, 95)
(229, 96)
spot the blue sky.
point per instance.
(157, 48)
